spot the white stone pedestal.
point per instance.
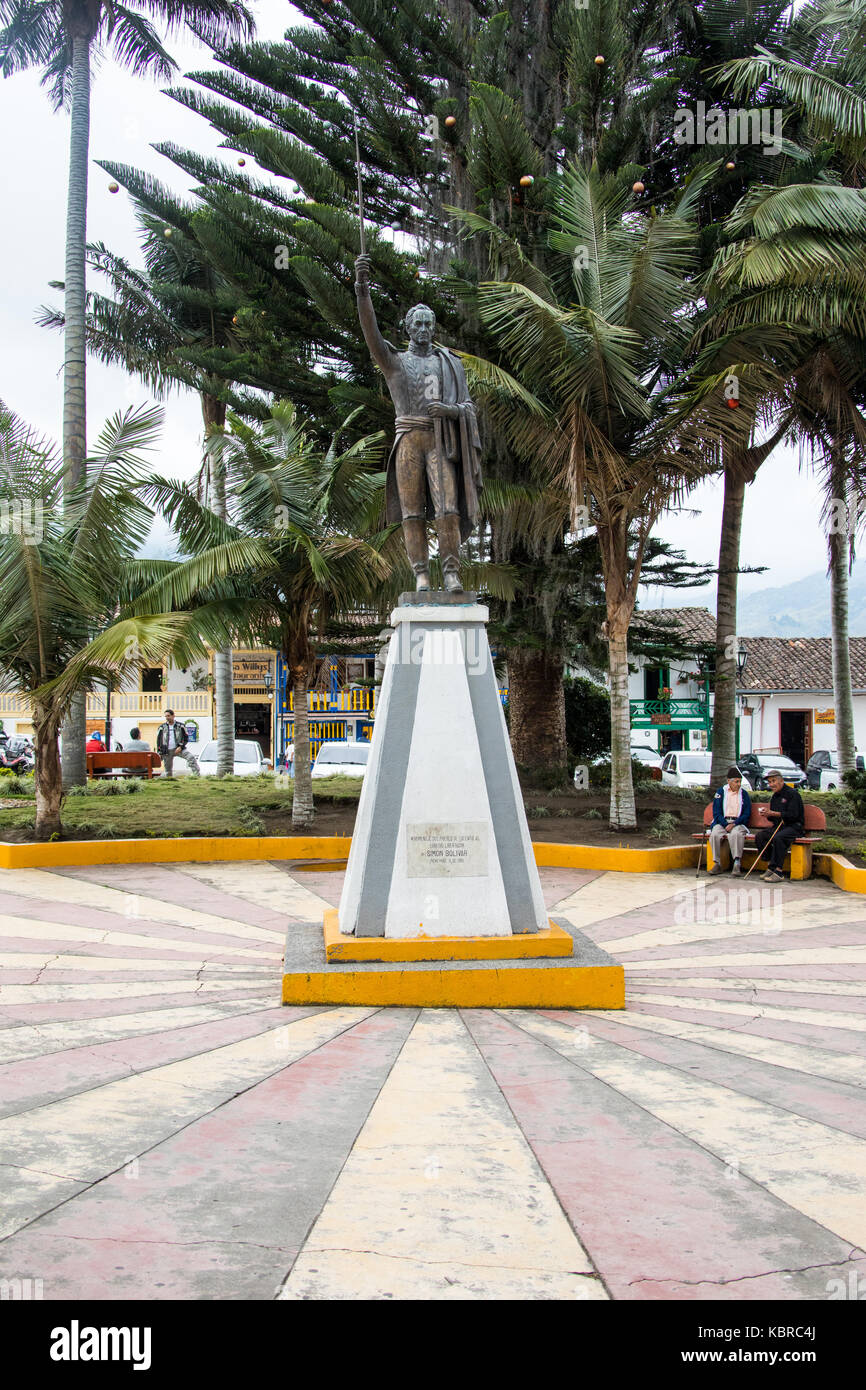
(441, 846)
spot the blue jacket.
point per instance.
(719, 807)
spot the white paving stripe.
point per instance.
(817, 1170)
(441, 1194)
(61, 994)
(818, 1018)
(55, 888)
(33, 1041)
(772, 920)
(63, 960)
(812, 1061)
(741, 960)
(854, 988)
(57, 931)
(86, 1136)
(613, 894)
(261, 882)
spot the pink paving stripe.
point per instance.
(781, 998)
(829, 1039)
(780, 970)
(809, 939)
(174, 885)
(51, 975)
(838, 1104)
(37, 1081)
(71, 916)
(108, 950)
(221, 1208)
(63, 1011)
(636, 1191)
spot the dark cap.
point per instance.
(734, 772)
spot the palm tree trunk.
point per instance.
(725, 704)
(214, 413)
(49, 782)
(536, 708)
(74, 369)
(843, 697)
(303, 810)
(623, 814)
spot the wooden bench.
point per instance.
(122, 764)
(799, 858)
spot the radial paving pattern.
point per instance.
(169, 1131)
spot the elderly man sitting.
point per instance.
(786, 815)
(732, 808)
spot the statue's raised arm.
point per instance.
(380, 351)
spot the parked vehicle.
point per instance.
(756, 766)
(341, 760)
(650, 756)
(18, 751)
(249, 760)
(683, 769)
(822, 770)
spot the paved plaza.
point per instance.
(170, 1132)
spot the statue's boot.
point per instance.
(415, 540)
(448, 529)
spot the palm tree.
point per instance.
(66, 575)
(306, 510)
(596, 347)
(62, 37)
(158, 324)
(796, 262)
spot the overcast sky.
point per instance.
(781, 525)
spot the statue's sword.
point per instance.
(360, 189)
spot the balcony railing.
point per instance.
(668, 711)
(127, 703)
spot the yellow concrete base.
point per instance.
(552, 941)
(557, 985)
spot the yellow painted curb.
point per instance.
(621, 859)
(195, 849)
(521, 987)
(552, 941)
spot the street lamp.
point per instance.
(742, 657)
(269, 680)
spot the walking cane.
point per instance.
(701, 853)
(759, 855)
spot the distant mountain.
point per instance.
(801, 609)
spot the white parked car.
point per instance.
(822, 770)
(650, 756)
(249, 760)
(341, 760)
(683, 769)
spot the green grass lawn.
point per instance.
(184, 806)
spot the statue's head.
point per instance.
(420, 324)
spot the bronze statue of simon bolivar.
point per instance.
(434, 470)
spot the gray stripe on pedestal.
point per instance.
(387, 804)
(495, 754)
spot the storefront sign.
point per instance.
(825, 716)
(660, 718)
(250, 670)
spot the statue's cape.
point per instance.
(462, 444)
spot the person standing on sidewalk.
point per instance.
(171, 741)
(732, 807)
(787, 812)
